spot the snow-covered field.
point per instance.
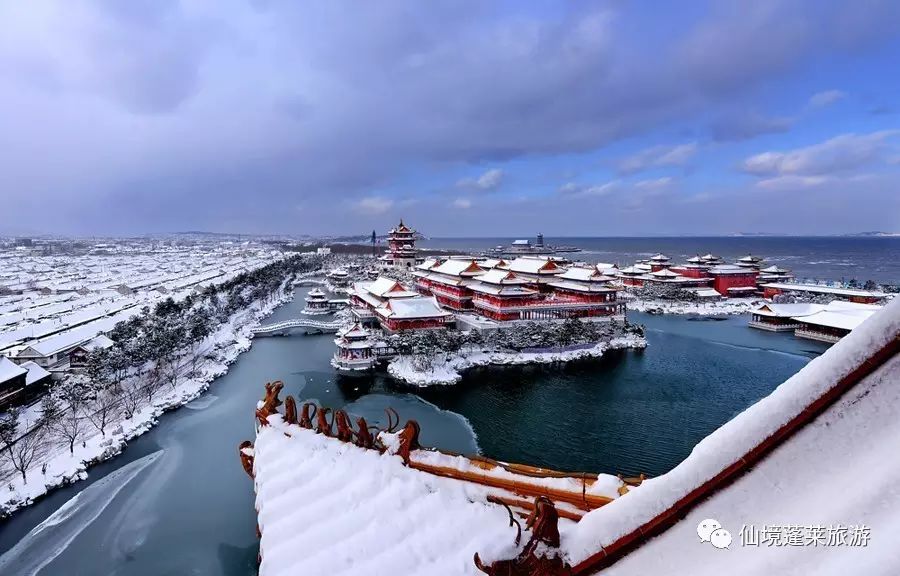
(227, 343)
(730, 306)
(447, 370)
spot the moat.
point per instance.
(177, 502)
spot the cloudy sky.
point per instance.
(463, 117)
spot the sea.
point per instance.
(815, 258)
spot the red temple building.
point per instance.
(419, 313)
(392, 305)
(449, 282)
(729, 280)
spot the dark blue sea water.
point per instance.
(824, 258)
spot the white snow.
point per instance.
(412, 370)
(828, 471)
(730, 306)
(326, 507)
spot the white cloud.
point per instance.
(586, 190)
(490, 180)
(826, 98)
(653, 185)
(841, 153)
(373, 205)
(792, 182)
(463, 203)
(659, 156)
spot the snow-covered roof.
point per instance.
(750, 259)
(35, 372)
(326, 507)
(817, 289)
(9, 369)
(665, 273)
(774, 270)
(503, 290)
(631, 270)
(99, 342)
(459, 268)
(728, 269)
(705, 292)
(409, 308)
(428, 264)
(789, 310)
(388, 288)
(534, 266)
(605, 267)
(500, 276)
(581, 286)
(842, 320)
(355, 331)
(695, 260)
(494, 263)
(660, 258)
(584, 275)
(803, 481)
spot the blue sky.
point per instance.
(463, 117)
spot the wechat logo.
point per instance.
(710, 530)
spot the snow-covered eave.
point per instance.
(607, 534)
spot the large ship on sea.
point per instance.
(524, 247)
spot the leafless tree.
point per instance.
(132, 394)
(102, 408)
(21, 451)
(69, 425)
(153, 382)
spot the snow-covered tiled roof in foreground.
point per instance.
(841, 468)
(326, 507)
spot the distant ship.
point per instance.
(526, 248)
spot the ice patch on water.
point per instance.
(202, 403)
(51, 537)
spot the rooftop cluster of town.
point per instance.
(57, 299)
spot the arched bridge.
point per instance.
(310, 325)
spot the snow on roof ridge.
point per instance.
(714, 458)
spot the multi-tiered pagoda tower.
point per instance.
(401, 253)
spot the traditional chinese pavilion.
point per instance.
(401, 252)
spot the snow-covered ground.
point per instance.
(447, 370)
(730, 306)
(227, 343)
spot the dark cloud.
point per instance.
(164, 115)
(746, 125)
